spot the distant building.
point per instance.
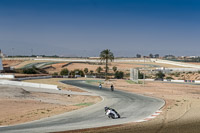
(94, 57)
(1, 54)
(156, 56)
(1, 65)
(138, 55)
(169, 57)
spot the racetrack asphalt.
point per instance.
(131, 107)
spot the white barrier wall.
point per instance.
(180, 81)
(3, 76)
(197, 81)
(26, 84)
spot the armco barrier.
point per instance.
(26, 84)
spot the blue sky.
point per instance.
(86, 27)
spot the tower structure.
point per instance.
(1, 65)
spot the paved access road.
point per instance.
(130, 106)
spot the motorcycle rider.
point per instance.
(100, 86)
(112, 87)
(111, 113)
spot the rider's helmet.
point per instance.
(106, 108)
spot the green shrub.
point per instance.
(119, 74)
(86, 70)
(160, 75)
(99, 69)
(140, 75)
(64, 71)
(79, 72)
(29, 71)
(177, 74)
(114, 68)
(169, 77)
(55, 74)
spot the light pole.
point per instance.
(31, 52)
(12, 52)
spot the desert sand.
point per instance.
(18, 105)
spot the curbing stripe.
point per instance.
(154, 115)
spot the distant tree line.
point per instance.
(150, 56)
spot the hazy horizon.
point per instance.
(85, 28)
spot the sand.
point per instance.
(19, 106)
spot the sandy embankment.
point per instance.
(18, 105)
(180, 114)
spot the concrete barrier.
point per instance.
(26, 84)
(11, 76)
(196, 81)
(148, 79)
(179, 81)
(90, 76)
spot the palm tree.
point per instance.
(106, 55)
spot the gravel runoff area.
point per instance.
(179, 115)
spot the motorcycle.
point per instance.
(111, 113)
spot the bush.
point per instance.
(114, 68)
(78, 72)
(64, 71)
(55, 74)
(99, 69)
(140, 75)
(177, 74)
(29, 71)
(160, 75)
(119, 74)
(169, 78)
(86, 70)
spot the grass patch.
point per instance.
(94, 81)
(133, 82)
(84, 104)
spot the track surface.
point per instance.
(130, 106)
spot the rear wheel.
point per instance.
(112, 116)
